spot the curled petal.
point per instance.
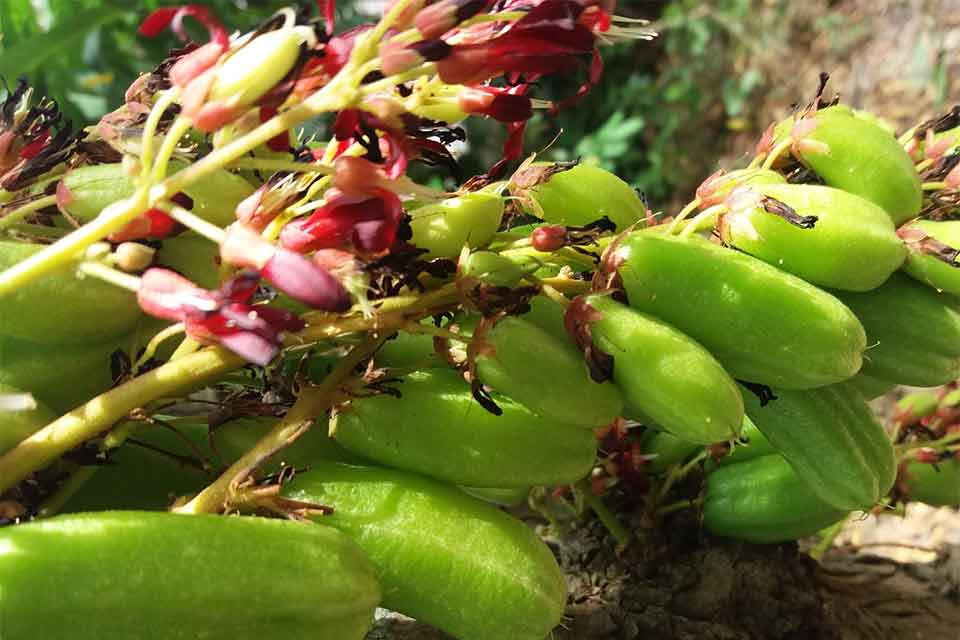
(168, 295)
(306, 281)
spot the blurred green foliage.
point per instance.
(656, 119)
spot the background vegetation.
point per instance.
(666, 114)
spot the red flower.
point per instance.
(505, 104)
(224, 316)
(367, 222)
(288, 271)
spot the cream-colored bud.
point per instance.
(133, 256)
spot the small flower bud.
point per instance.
(927, 456)
(256, 67)
(396, 58)
(549, 237)
(133, 256)
(438, 18)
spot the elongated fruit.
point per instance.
(60, 376)
(831, 439)
(546, 375)
(931, 257)
(19, 424)
(85, 191)
(936, 484)
(444, 228)
(852, 152)
(442, 557)
(124, 574)
(438, 429)
(913, 332)
(764, 501)
(762, 324)
(584, 194)
(61, 308)
(666, 378)
(824, 235)
(752, 444)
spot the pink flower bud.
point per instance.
(306, 281)
(438, 18)
(168, 295)
(495, 103)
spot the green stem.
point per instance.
(827, 536)
(310, 404)
(610, 521)
(704, 220)
(150, 129)
(18, 214)
(194, 222)
(776, 152)
(269, 164)
(934, 186)
(111, 275)
(99, 414)
(686, 211)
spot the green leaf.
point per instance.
(30, 54)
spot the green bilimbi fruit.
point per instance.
(913, 332)
(667, 379)
(18, 425)
(442, 557)
(446, 227)
(852, 152)
(918, 405)
(124, 574)
(62, 308)
(194, 257)
(494, 269)
(717, 187)
(666, 449)
(870, 387)
(831, 439)
(548, 315)
(762, 324)
(546, 375)
(937, 484)
(438, 429)
(752, 444)
(60, 376)
(932, 258)
(86, 191)
(584, 194)
(764, 501)
(824, 235)
(505, 497)
(408, 350)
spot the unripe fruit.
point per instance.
(931, 256)
(913, 332)
(442, 557)
(763, 501)
(853, 153)
(194, 257)
(831, 439)
(445, 227)
(667, 379)
(519, 358)
(438, 429)
(18, 425)
(256, 67)
(849, 242)
(584, 194)
(60, 376)
(497, 270)
(62, 308)
(937, 484)
(86, 191)
(118, 574)
(762, 324)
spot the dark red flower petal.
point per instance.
(173, 17)
(168, 295)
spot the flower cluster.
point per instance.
(328, 225)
